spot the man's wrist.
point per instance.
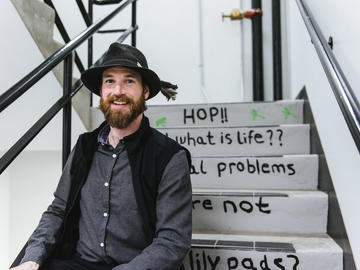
(32, 265)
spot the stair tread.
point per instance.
(233, 192)
(252, 113)
(284, 101)
(318, 242)
(234, 126)
(259, 156)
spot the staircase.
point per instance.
(255, 202)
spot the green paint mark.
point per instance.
(255, 114)
(161, 122)
(287, 113)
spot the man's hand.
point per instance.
(26, 266)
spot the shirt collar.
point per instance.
(103, 134)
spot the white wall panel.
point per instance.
(31, 189)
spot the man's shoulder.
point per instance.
(162, 141)
(167, 145)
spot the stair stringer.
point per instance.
(336, 227)
(39, 19)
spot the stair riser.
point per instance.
(295, 172)
(239, 114)
(292, 214)
(219, 259)
(288, 139)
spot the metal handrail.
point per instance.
(29, 80)
(106, 2)
(16, 149)
(83, 12)
(342, 90)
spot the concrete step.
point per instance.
(286, 172)
(244, 141)
(217, 114)
(235, 210)
(226, 252)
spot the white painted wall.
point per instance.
(305, 69)
(31, 188)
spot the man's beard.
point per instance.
(121, 118)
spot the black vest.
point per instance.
(148, 150)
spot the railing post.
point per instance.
(90, 41)
(277, 63)
(133, 23)
(67, 84)
(257, 48)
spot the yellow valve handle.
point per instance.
(236, 14)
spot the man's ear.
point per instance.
(146, 92)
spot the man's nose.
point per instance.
(119, 89)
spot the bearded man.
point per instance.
(124, 199)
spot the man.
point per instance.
(124, 199)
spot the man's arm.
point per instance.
(43, 239)
(173, 226)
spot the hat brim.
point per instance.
(92, 78)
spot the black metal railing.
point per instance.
(277, 55)
(63, 54)
(105, 2)
(342, 90)
(257, 53)
(59, 24)
(257, 49)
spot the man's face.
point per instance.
(122, 96)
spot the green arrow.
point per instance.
(161, 122)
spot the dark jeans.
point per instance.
(76, 263)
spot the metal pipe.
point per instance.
(106, 2)
(257, 50)
(342, 90)
(277, 61)
(111, 31)
(66, 144)
(90, 43)
(34, 76)
(83, 12)
(126, 33)
(133, 23)
(20, 145)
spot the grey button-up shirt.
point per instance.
(110, 224)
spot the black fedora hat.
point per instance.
(124, 56)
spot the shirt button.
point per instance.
(102, 244)
(106, 184)
(114, 155)
(105, 214)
